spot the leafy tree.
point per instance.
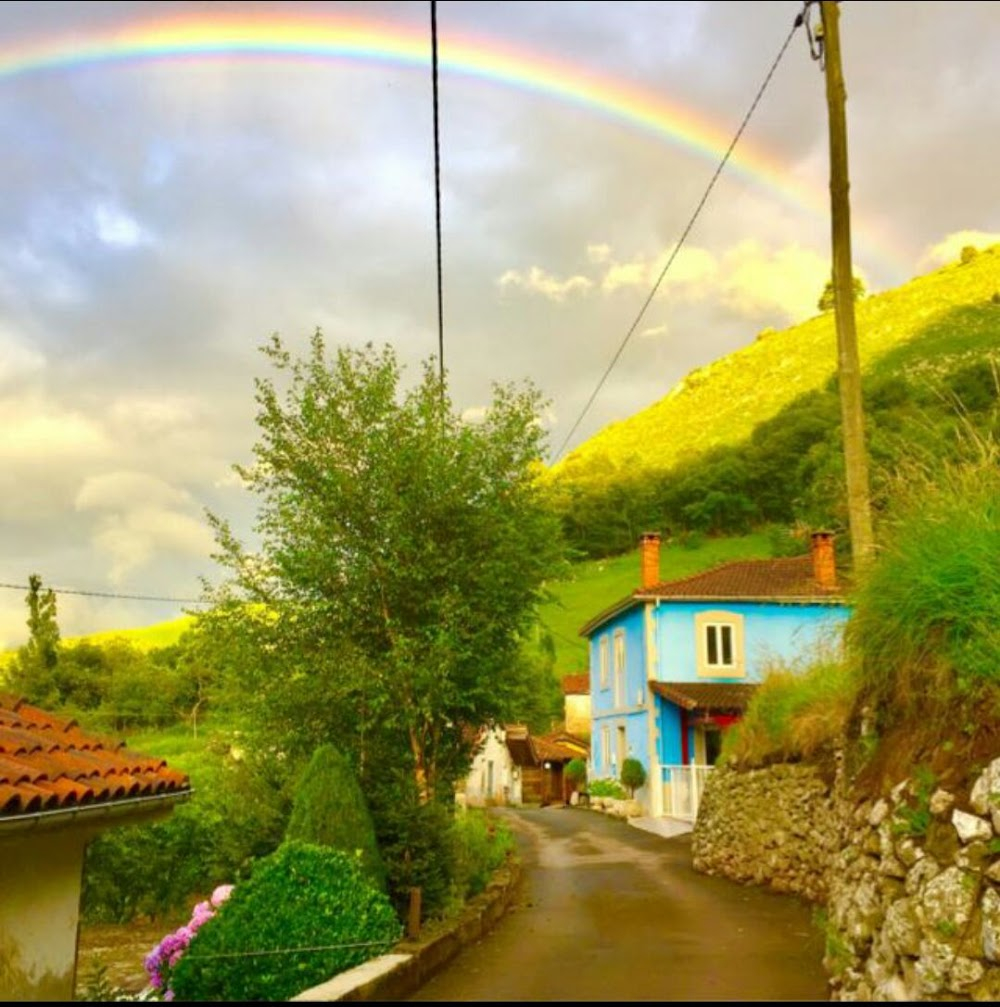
(827, 298)
(33, 671)
(402, 555)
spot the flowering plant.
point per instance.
(161, 961)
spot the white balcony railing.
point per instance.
(682, 790)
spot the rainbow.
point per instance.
(336, 37)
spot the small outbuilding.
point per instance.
(60, 787)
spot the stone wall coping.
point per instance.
(398, 974)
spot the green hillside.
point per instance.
(594, 585)
(723, 402)
(144, 638)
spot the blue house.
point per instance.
(676, 662)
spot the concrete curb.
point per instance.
(397, 975)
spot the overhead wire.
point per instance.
(109, 594)
(684, 236)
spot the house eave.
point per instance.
(803, 599)
(109, 812)
(601, 618)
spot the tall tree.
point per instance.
(33, 672)
(402, 553)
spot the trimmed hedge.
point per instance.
(306, 897)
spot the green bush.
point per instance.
(331, 810)
(576, 772)
(795, 712)
(481, 845)
(300, 897)
(633, 775)
(606, 788)
(417, 843)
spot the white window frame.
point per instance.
(602, 659)
(605, 748)
(620, 667)
(717, 625)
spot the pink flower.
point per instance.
(221, 894)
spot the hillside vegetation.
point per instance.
(754, 437)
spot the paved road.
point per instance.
(608, 912)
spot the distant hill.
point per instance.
(723, 402)
(753, 439)
(144, 638)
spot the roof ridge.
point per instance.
(722, 565)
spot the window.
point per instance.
(605, 748)
(620, 668)
(603, 659)
(622, 746)
(719, 638)
(719, 645)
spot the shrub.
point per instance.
(796, 711)
(417, 843)
(330, 810)
(633, 775)
(481, 845)
(300, 897)
(606, 788)
(576, 772)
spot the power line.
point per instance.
(683, 238)
(109, 594)
(437, 190)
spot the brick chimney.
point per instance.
(649, 558)
(824, 561)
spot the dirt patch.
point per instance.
(111, 954)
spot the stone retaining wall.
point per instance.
(773, 826)
(910, 881)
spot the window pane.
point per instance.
(713, 645)
(727, 644)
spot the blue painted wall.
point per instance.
(604, 711)
(770, 630)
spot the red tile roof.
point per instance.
(48, 764)
(706, 695)
(576, 685)
(789, 580)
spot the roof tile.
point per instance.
(47, 763)
(790, 577)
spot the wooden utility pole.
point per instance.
(849, 369)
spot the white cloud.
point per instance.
(153, 414)
(598, 252)
(32, 427)
(17, 359)
(474, 414)
(125, 489)
(653, 331)
(756, 281)
(691, 269)
(538, 281)
(134, 539)
(116, 228)
(950, 247)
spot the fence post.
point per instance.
(413, 920)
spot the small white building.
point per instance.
(494, 778)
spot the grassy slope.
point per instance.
(160, 634)
(722, 402)
(596, 584)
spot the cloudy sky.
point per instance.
(163, 209)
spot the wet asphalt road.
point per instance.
(608, 912)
